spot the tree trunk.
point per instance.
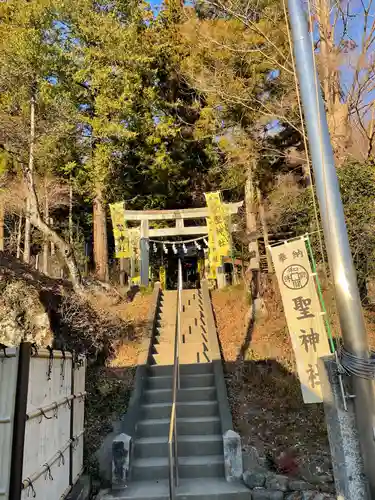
(337, 111)
(251, 219)
(322, 11)
(62, 246)
(19, 236)
(52, 243)
(34, 211)
(100, 236)
(250, 196)
(70, 211)
(46, 218)
(258, 305)
(1, 226)
(263, 221)
(26, 242)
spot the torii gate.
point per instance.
(145, 216)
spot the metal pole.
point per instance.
(334, 227)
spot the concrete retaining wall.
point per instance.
(127, 424)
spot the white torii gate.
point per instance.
(145, 216)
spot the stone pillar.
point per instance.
(232, 456)
(145, 253)
(220, 276)
(347, 462)
(121, 452)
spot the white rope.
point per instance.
(179, 242)
(305, 137)
(304, 235)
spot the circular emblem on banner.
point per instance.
(295, 277)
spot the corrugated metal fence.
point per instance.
(42, 395)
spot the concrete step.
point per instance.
(168, 304)
(211, 489)
(201, 466)
(198, 425)
(157, 396)
(197, 488)
(148, 469)
(183, 395)
(153, 427)
(185, 369)
(198, 337)
(190, 409)
(141, 490)
(193, 357)
(187, 446)
(196, 346)
(185, 426)
(193, 445)
(155, 411)
(187, 381)
(168, 332)
(167, 344)
(151, 447)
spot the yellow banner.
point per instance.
(120, 231)
(210, 269)
(303, 314)
(219, 237)
(163, 277)
(134, 243)
(213, 256)
(218, 225)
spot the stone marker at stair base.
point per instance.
(347, 463)
(121, 451)
(232, 456)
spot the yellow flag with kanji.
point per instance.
(218, 222)
(134, 243)
(163, 277)
(120, 231)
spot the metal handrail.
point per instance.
(172, 438)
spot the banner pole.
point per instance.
(338, 249)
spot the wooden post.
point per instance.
(263, 221)
(122, 271)
(220, 275)
(19, 235)
(145, 253)
(2, 213)
(19, 421)
(132, 267)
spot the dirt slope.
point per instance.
(264, 391)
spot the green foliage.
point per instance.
(357, 185)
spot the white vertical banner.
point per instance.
(303, 313)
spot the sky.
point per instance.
(155, 4)
(355, 31)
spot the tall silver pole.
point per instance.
(335, 232)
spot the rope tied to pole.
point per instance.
(30, 487)
(356, 365)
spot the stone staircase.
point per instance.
(194, 342)
(199, 427)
